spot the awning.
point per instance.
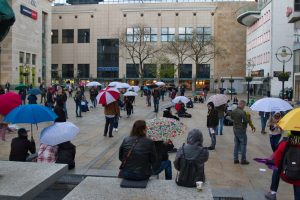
(254, 82)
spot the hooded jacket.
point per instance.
(193, 150)
(66, 154)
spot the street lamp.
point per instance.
(283, 55)
(231, 82)
(248, 78)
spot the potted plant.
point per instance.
(222, 80)
(283, 76)
(248, 78)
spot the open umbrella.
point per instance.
(291, 121)
(130, 93)
(218, 99)
(34, 91)
(159, 83)
(8, 102)
(134, 88)
(183, 99)
(163, 129)
(20, 86)
(30, 114)
(58, 133)
(93, 84)
(271, 104)
(108, 96)
(7, 18)
(114, 84)
(123, 85)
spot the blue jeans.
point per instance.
(240, 143)
(263, 122)
(213, 137)
(116, 122)
(275, 180)
(78, 109)
(221, 123)
(65, 109)
(94, 102)
(156, 103)
(296, 192)
(167, 166)
(274, 140)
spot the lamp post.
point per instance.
(231, 81)
(283, 55)
(249, 78)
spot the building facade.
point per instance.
(26, 50)
(267, 31)
(86, 41)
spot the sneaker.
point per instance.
(116, 130)
(245, 162)
(236, 162)
(270, 196)
(111, 136)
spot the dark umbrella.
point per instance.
(34, 91)
(7, 18)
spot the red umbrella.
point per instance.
(8, 102)
(108, 95)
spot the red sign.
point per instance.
(289, 11)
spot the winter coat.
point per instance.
(142, 158)
(212, 119)
(32, 99)
(61, 114)
(167, 114)
(239, 118)
(20, 147)
(66, 154)
(112, 109)
(161, 154)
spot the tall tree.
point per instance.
(139, 48)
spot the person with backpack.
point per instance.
(77, 99)
(287, 160)
(190, 159)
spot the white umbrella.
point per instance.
(93, 83)
(114, 84)
(218, 99)
(183, 99)
(130, 93)
(271, 104)
(159, 83)
(123, 85)
(134, 88)
(58, 133)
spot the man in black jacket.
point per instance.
(212, 124)
(20, 146)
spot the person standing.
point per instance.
(275, 130)
(43, 95)
(156, 96)
(264, 116)
(77, 99)
(93, 95)
(22, 92)
(111, 112)
(148, 97)
(221, 112)
(7, 86)
(32, 99)
(182, 90)
(162, 93)
(240, 122)
(212, 124)
(50, 100)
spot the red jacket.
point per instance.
(277, 158)
(177, 107)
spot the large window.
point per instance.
(83, 70)
(203, 71)
(150, 71)
(54, 71)
(132, 71)
(204, 33)
(33, 59)
(133, 34)
(27, 58)
(108, 58)
(185, 33)
(67, 36)
(21, 57)
(297, 5)
(185, 71)
(67, 71)
(167, 71)
(167, 34)
(83, 35)
(150, 34)
(54, 36)
(296, 61)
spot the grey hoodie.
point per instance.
(193, 150)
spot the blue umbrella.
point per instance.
(30, 114)
(34, 91)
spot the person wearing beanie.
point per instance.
(21, 145)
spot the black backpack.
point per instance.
(189, 172)
(290, 163)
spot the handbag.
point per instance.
(124, 161)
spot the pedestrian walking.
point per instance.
(275, 130)
(221, 113)
(148, 97)
(129, 106)
(43, 95)
(7, 86)
(264, 116)
(23, 94)
(93, 95)
(77, 99)
(111, 112)
(156, 96)
(240, 122)
(162, 93)
(32, 99)
(212, 124)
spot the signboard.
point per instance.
(258, 73)
(28, 12)
(108, 69)
(275, 73)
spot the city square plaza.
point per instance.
(96, 153)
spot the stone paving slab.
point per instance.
(94, 188)
(25, 180)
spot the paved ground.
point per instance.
(97, 152)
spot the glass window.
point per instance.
(150, 71)
(133, 34)
(167, 71)
(185, 71)
(67, 36)
(203, 71)
(204, 33)
(34, 59)
(67, 71)
(27, 58)
(167, 34)
(108, 58)
(132, 71)
(150, 34)
(297, 5)
(54, 36)
(83, 35)
(21, 57)
(185, 33)
(83, 70)
(54, 70)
